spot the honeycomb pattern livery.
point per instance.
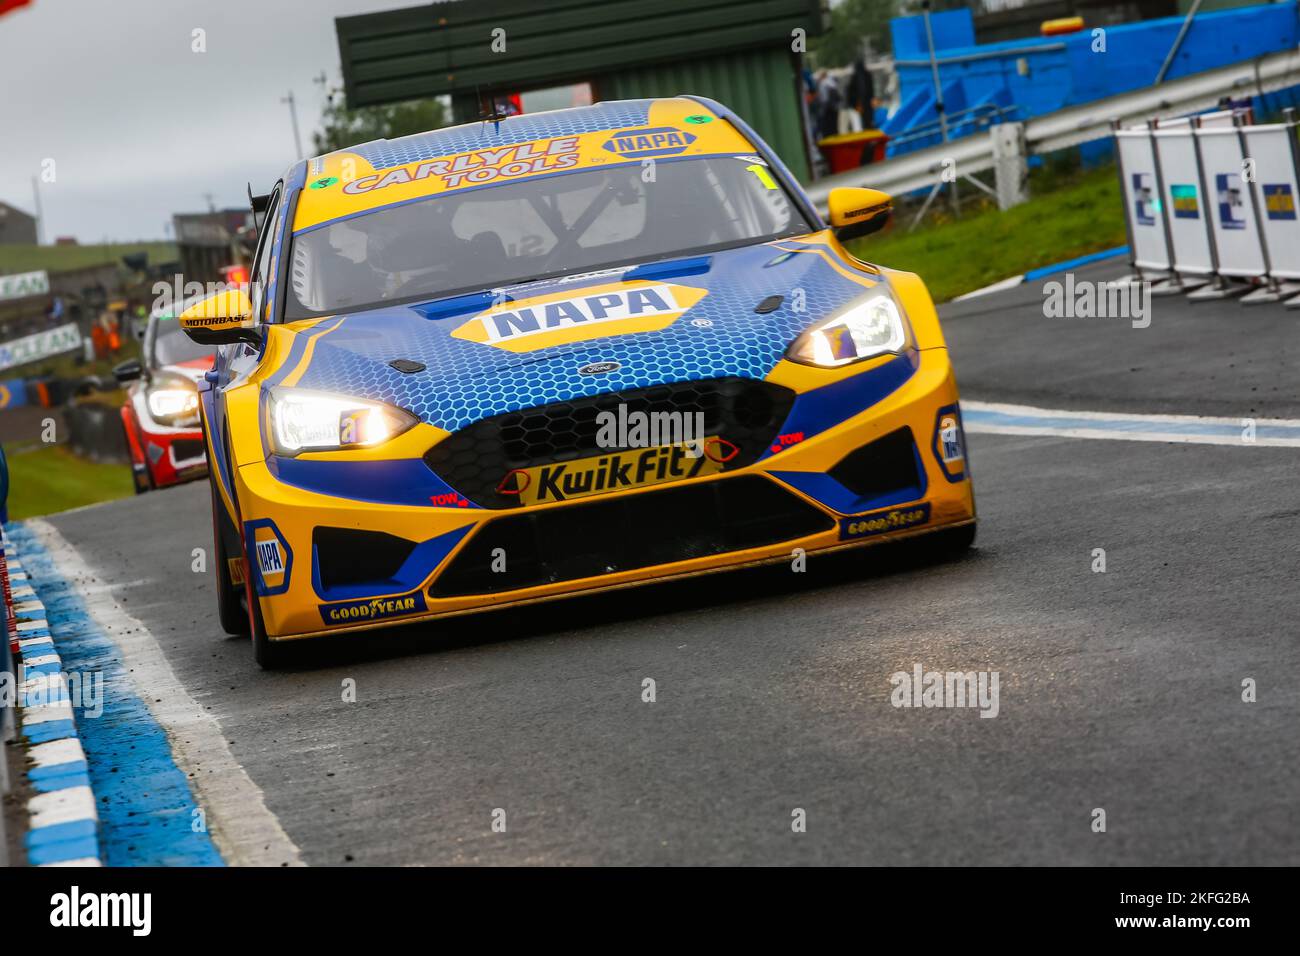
(466, 381)
(569, 429)
(744, 412)
(387, 153)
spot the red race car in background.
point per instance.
(161, 414)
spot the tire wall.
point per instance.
(95, 432)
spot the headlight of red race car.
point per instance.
(173, 400)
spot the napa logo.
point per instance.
(595, 312)
(270, 557)
(645, 143)
(950, 443)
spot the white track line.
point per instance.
(1010, 283)
(244, 830)
(1001, 419)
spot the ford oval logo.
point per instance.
(600, 368)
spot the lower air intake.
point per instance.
(183, 449)
(605, 536)
(885, 465)
(346, 556)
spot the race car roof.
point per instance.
(384, 172)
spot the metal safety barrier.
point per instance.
(1006, 146)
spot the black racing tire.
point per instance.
(141, 483)
(949, 543)
(269, 654)
(230, 611)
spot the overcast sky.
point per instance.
(140, 127)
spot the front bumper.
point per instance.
(447, 564)
(176, 456)
(169, 455)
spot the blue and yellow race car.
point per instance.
(523, 358)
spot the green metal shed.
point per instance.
(743, 53)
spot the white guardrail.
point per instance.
(1006, 144)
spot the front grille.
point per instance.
(346, 556)
(183, 449)
(598, 537)
(475, 459)
(885, 465)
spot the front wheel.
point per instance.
(234, 620)
(268, 654)
(949, 543)
(141, 477)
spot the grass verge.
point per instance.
(45, 480)
(28, 258)
(1067, 217)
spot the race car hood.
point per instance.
(455, 361)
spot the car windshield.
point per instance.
(171, 346)
(478, 239)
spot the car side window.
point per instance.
(259, 275)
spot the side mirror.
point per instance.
(129, 371)
(221, 319)
(90, 385)
(856, 212)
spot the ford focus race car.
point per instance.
(504, 362)
(161, 415)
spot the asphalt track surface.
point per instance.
(1118, 690)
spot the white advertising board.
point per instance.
(1188, 230)
(32, 348)
(23, 284)
(1231, 206)
(1272, 147)
(1142, 200)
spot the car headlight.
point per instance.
(872, 327)
(305, 420)
(173, 400)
